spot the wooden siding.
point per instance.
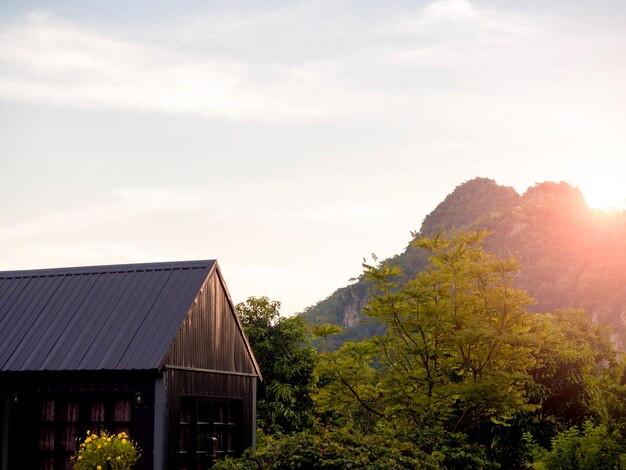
(210, 358)
(210, 338)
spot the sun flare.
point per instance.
(604, 197)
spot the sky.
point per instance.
(289, 140)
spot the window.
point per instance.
(209, 430)
(48, 430)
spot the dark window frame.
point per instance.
(204, 416)
(29, 421)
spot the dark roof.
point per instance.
(118, 317)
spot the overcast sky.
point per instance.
(289, 140)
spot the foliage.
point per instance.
(462, 356)
(576, 363)
(592, 448)
(287, 362)
(460, 373)
(106, 451)
(577, 376)
(456, 350)
(332, 448)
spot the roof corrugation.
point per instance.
(119, 317)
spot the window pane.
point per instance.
(121, 410)
(231, 441)
(185, 411)
(219, 440)
(232, 414)
(68, 437)
(47, 410)
(69, 411)
(184, 461)
(185, 438)
(46, 439)
(97, 411)
(204, 437)
(203, 461)
(204, 411)
(219, 412)
(46, 463)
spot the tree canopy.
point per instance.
(287, 361)
(462, 376)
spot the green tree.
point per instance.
(577, 365)
(576, 377)
(287, 361)
(456, 351)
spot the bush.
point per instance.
(106, 451)
(385, 449)
(592, 449)
(331, 448)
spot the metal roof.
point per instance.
(118, 317)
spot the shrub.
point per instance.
(331, 448)
(106, 451)
(592, 448)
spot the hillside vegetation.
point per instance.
(571, 256)
(462, 376)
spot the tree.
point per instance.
(456, 351)
(576, 366)
(287, 362)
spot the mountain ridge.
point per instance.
(572, 256)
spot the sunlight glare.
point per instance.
(604, 196)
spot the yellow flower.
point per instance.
(123, 441)
(99, 467)
(108, 439)
(88, 432)
(118, 458)
(80, 457)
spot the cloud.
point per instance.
(48, 60)
(461, 14)
(330, 74)
(124, 207)
(441, 11)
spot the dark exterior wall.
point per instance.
(210, 337)
(30, 386)
(210, 359)
(4, 429)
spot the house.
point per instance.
(155, 350)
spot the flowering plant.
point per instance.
(106, 451)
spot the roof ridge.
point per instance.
(106, 269)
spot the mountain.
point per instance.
(572, 256)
